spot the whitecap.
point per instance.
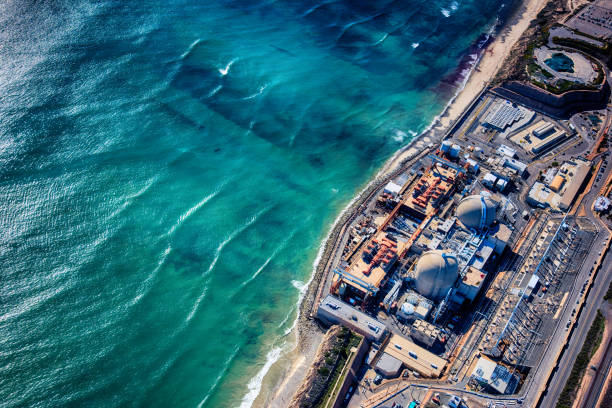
(185, 216)
(254, 385)
(446, 13)
(148, 282)
(256, 94)
(130, 199)
(225, 71)
(190, 48)
(215, 90)
(415, 44)
(269, 259)
(233, 235)
(383, 38)
(259, 270)
(399, 136)
(222, 373)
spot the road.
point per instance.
(602, 370)
(586, 317)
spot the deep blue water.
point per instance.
(168, 170)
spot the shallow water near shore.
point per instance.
(169, 169)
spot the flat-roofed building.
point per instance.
(425, 333)
(562, 190)
(388, 366)
(415, 357)
(502, 115)
(334, 311)
(472, 281)
(544, 130)
(576, 172)
(542, 196)
(494, 376)
(548, 139)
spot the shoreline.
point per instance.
(308, 334)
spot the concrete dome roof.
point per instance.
(435, 273)
(476, 212)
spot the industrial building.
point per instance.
(435, 273)
(413, 357)
(470, 284)
(413, 307)
(433, 188)
(334, 311)
(359, 278)
(539, 137)
(426, 333)
(562, 190)
(502, 115)
(494, 377)
(476, 212)
(541, 196)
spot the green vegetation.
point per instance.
(591, 343)
(334, 370)
(608, 295)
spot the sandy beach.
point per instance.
(289, 371)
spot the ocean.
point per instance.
(168, 170)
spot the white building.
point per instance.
(494, 376)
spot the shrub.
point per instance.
(323, 370)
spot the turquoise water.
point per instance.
(560, 62)
(169, 169)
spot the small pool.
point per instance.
(560, 62)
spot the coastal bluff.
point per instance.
(558, 106)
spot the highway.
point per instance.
(602, 370)
(579, 331)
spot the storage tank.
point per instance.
(446, 145)
(455, 150)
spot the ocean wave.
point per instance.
(214, 91)
(259, 270)
(190, 48)
(317, 6)
(354, 23)
(256, 382)
(256, 94)
(225, 70)
(129, 200)
(226, 364)
(147, 284)
(381, 40)
(218, 251)
(196, 306)
(452, 7)
(415, 45)
(192, 210)
(233, 235)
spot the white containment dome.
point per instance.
(435, 274)
(476, 212)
